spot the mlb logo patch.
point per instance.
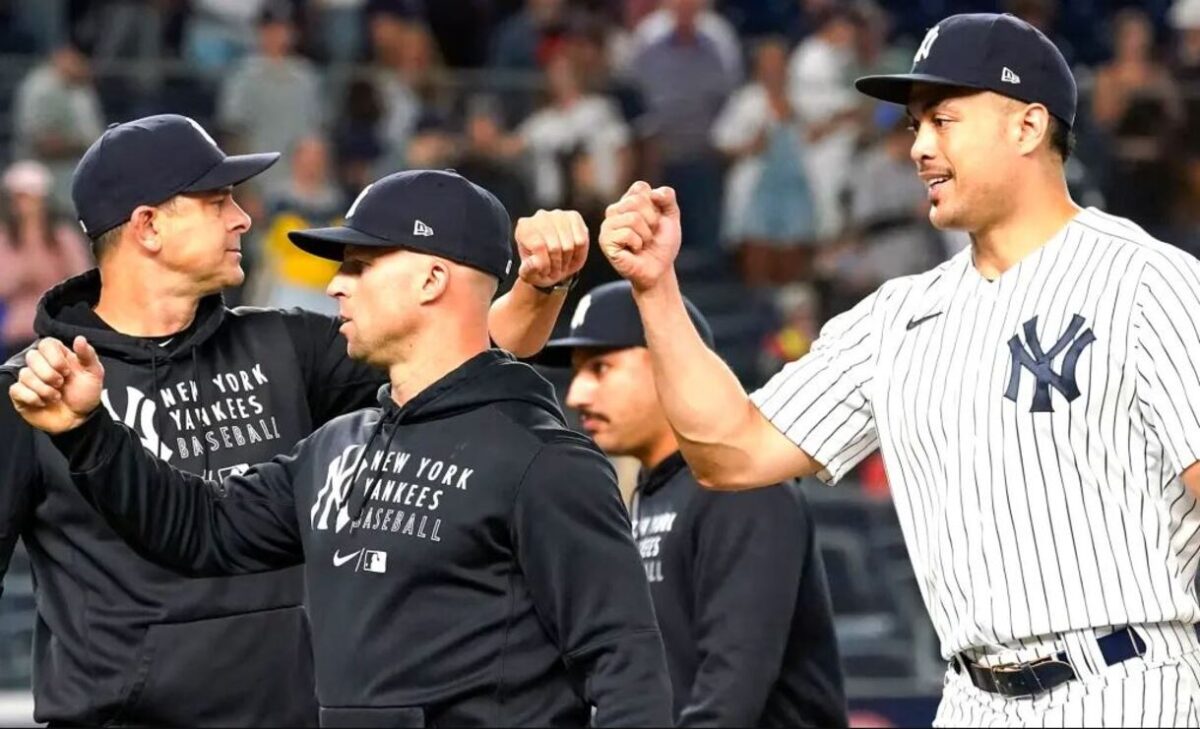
(374, 561)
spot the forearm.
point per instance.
(170, 516)
(521, 321)
(706, 405)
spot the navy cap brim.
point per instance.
(557, 352)
(330, 243)
(233, 170)
(897, 88)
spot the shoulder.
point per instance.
(296, 320)
(569, 460)
(1144, 253)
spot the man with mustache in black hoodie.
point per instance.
(207, 389)
(468, 559)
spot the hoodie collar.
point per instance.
(657, 477)
(65, 312)
(490, 376)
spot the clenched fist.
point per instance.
(553, 245)
(641, 234)
(58, 388)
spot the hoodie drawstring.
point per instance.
(200, 387)
(158, 433)
(357, 504)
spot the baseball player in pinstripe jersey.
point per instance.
(1036, 400)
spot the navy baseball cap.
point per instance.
(607, 318)
(437, 212)
(988, 52)
(149, 161)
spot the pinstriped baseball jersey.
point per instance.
(1034, 429)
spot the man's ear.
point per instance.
(144, 224)
(436, 281)
(1033, 128)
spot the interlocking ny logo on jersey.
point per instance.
(139, 415)
(1030, 356)
(333, 495)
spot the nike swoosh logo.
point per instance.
(914, 323)
(339, 560)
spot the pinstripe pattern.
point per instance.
(1137, 693)
(1024, 523)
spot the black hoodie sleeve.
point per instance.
(201, 528)
(575, 546)
(18, 475)
(333, 383)
(748, 565)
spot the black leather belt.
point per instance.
(1035, 677)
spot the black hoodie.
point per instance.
(468, 558)
(739, 587)
(119, 638)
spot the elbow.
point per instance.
(717, 476)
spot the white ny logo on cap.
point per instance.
(581, 311)
(203, 132)
(926, 45)
(357, 200)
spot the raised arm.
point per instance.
(553, 246)
(202, 528)
(723, 436)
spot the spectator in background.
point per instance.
(339, 26)
(358, 135)
(874, 54)
(1043, 14)
(485, 158)
(1185, 67)
(820, 74)
(408, 80)
(57, 115)
(1132, 74)
(889, 233)
(712, 25)
(1136, 103)
(589, 45)
(768, 203)
(799, 312)
(569, 120)
(38, 249)
(309, 199)
(529, 38)
(684, 81)
(274, 97)
(219, 32)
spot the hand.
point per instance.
(58, 388)
(641, 234)
(553, 245)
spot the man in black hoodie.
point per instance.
(468, 558)
(209, 390)
(738, 583)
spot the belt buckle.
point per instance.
(1020, 680)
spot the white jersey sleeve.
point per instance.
(1167, 332)
(822, 401)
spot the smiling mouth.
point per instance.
(934, 182)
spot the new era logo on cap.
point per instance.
(1008, 77)
(422, 229)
